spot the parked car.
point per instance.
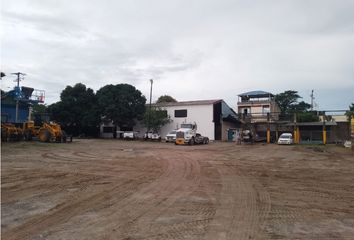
(130, 135)
(286, 138)
(171, 136)
(152, 136)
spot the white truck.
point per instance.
(187, 134)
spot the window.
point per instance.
(181, 113)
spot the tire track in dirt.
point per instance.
(186, 185)
(183, 230)
(190, 215)
(80, 202)
(122, 213)
(180, 177)
(64, 158)
(243, 208)
(102, 168)
(85, 155)
(75, 204)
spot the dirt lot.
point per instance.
(110, 189)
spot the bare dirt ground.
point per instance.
(111, 189)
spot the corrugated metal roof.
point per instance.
(188, 103)
(258, 93)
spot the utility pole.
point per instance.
(312, 98)
(151, 81)
(18, 79)
(17, 90)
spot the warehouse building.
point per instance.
(213, 117)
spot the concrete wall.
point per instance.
(225, 126)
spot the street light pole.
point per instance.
(151, 81)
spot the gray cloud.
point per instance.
(192, 49)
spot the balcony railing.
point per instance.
(259, 117)
(251, 102)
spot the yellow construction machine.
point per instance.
(48, 132)
(9, 132)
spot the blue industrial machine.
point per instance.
(16, 103)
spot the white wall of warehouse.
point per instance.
(201, 114)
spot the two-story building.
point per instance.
(257, 106)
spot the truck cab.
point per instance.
(186, 134)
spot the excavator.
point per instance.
(47, 131)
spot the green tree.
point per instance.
(165, 98)
(121, 103)
(300, 107)
(350, 112)
(289, 104)
(287, 100)
(307, 117)
(156, 118)
(77, 109)
(39, 109)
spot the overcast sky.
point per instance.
(193, 49)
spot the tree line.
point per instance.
(81, 110)
(289, 103)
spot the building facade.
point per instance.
(258, 106)
(213, 117)
(15, 104)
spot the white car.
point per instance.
(130, 135)
(152, 136)
(286, 138)
(171, 136)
